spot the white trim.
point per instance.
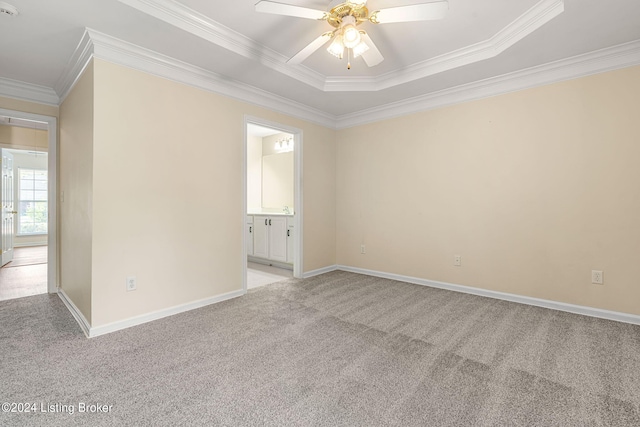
(298, 190)
(194, 22)
(52, 226)
(320, 271)
(113, 50)
(76, 313)
(28, 92)
(553, 305)
(75, 67)
(95, 331)
(604, 60)
(29, 244)
(243, 170)
(52, 167)
(124, 53)
(298, 195)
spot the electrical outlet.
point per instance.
(131, 283)
(596, 277)
(457, 260)
(363, 250)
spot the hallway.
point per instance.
(26, 275)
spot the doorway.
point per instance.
(272, 203)
(29, 257)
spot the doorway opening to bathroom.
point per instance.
(272, 203)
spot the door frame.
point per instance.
(52, 176)
(297, 193)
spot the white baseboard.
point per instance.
(319, 271)
(75, 312)
(155, 315)
(554, 305)
(27, 244)
(92, 332)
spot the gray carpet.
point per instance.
(339, 349)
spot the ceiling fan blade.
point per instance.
(288, 10)
(310, 48)
(416, 12)
(371, 56)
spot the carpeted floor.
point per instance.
(339, 349)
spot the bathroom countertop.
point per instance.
(270, 213)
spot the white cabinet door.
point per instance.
(278, 238)
(249, 236)
(261, 236)
(290, 245)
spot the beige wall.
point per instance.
(533, 189)
(180, 233)
(28, 107)
(23, 138)
(75, 182)
(254, 173)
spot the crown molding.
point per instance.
(527, 23)
(28, 92)
(202, 26)
(123, 53)
(76, 65)
(600, 61)
(102, 46)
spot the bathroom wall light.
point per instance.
(284, 145)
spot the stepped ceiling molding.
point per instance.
(479, 49)
(504, 35)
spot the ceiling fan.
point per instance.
(345, 17)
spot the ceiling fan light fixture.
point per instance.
(350, 36)
(336, 48)
(345, 16)
(360, 49)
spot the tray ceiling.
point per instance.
(476, 41)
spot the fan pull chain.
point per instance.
(348, 59)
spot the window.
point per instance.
(32, 201)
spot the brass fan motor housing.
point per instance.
(335, 15)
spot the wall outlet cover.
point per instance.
(131, 283)
(597, 277)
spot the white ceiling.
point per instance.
(477, 40)
(260, 131)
